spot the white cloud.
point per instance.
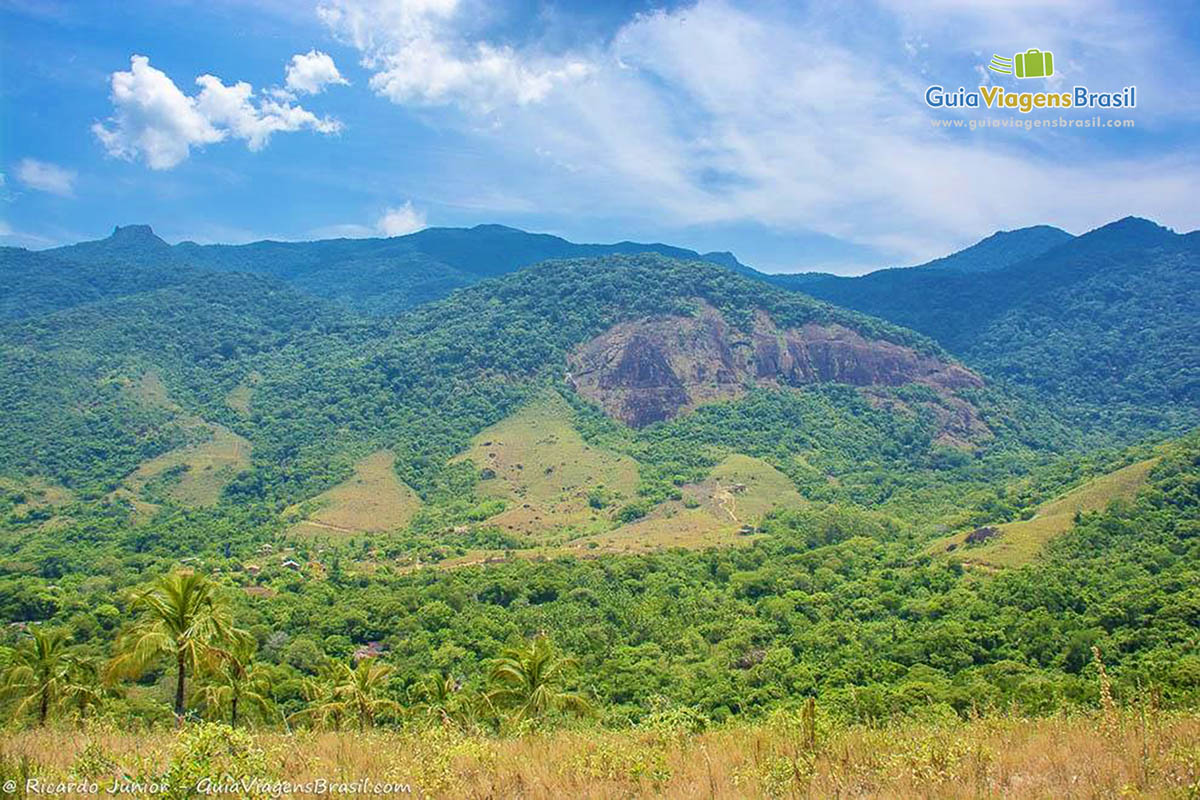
(400, 221)
(394, 221)
(46, 177)
(311, 72)
(791, 118)
(418, 57)
(233, 109)
(155, 120)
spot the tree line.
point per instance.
(184, 622)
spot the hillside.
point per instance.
(669, 367)
(1101, 325)
(1002, 249)
(715, 495)
(316, 389)
(1016, 543)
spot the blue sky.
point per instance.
(795, 135)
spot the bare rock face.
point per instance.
(649, 370)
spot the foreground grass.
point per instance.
(1123, 755)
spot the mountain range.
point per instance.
(368, 275)
(725, 488)
(277, 367)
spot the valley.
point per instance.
(712, 491)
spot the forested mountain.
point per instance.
(325, 380)
(1002, 249)
(710, 489)
(130, 261)
(1104, 321)
(370, 275)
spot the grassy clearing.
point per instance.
(1079, 757)
(37, 493)
(1020, 542)
(542, 467)
(193, 475)
(372, 501)
(150, 391)
(198, 472)
(723, 509)
(40, 501)
(240, 396)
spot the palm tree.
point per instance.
(182, 618)
(324, 708)
(437, 695)
(237, 682)
(84, 688)
(528, 680)
(360, 689)
(39, 676)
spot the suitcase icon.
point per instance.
(1034, 63)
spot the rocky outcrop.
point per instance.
(648, 370)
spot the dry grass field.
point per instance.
(206, 467)
(544, 470)
(37, 494)
(1020, 542)
(723, 509)
(1124, 755)
(196, 473)
(240, 396)
(374, 499)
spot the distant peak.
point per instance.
(1134, 224)
(135, 234)
(132, 230)
(1003, 249)
(724, 258)
(1028, 230)
(1136, 229)
(492, 226)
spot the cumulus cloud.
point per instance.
(394, 221)
(153, 119)
(311, 72)
(790, 117)
(45, 177)
(418, 56)
(400, 221)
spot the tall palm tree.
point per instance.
(529, 681)
(84, 688)
(361, 689)
(237, 682)
(324, 709)
(183, 618)
(438, 694)
(39, 676)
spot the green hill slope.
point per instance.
(1103, 325)
(328, 387)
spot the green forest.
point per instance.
(194, 522)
